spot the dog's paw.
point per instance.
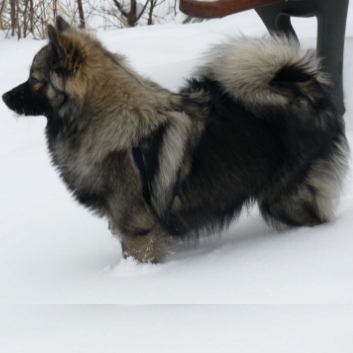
(149, 248)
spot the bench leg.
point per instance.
(331, 16)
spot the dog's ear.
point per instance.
(68, 50)
(56, 39)
(61, 24)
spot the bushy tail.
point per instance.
(267, 71)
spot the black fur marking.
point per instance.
(230, 164)
(24, 101)
(289, 75)
(96, 201)
(151, 147)
(61, 126)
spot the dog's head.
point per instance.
(35, 96)
(57, 84)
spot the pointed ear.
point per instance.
(56, 39)
(70, 55)
(61, 24)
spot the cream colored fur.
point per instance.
(245, 67)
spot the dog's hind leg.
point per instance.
(294, 207)
(313, 200)
(326, 178)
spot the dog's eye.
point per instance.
(34, 81)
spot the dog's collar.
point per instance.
(138, 158)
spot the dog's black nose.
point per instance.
(8, 99)
(5, 97)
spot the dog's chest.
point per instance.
(78, 165)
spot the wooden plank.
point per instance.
(221, 8)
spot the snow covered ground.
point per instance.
(52, 251)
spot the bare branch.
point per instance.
(81, 14)
(143, 10)
(119, 6)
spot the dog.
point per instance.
(255, 124)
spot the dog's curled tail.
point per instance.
(272, 71)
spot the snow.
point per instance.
(175, 329)
(53, 251)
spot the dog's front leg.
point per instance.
(137, 221)
(147, 248)
(141, 235)
(131, 219)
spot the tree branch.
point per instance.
(118, 5)
(143, 10)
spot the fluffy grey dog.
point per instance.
(255, 124)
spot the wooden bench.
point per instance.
(331, 16)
